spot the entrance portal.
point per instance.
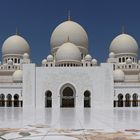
(67, 97)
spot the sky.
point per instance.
(36, 20)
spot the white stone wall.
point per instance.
(29, 79)
(11, 88)
(125, 88)
(6, 79)
(98, 80)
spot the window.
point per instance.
(18, 60)
(15, 60)
(86, 99)
(48, 99)
(120, 60)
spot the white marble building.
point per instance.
(69, 76)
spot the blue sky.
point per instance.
(36, 19)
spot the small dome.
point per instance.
(82, 60)
(10, 62)
(119, 75)
(17, 76)
(49, 58)
(94, 61)
(111, 55)
(26, 55)
(44, 61)
(124, 43)
(15, 45)
(68, 52)
(129, 61)
(73, 30)
(88, 57)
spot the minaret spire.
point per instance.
(123, 29)
(69, 16)
(17, 33)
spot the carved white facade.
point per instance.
(69, 76)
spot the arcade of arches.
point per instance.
(67, 97)
(127, 100)
(9, 101)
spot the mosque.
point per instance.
(69, 76)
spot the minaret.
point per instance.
(69, 16)
(123, 29)
(17, 33)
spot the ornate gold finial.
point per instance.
(69, 16)
(17, 31)
(123, 29)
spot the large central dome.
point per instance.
(77, 35)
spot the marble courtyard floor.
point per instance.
(70, 124)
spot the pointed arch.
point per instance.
(120, 100)
(16, 100)
(135, 100)
(48, 98)
(67, 95)
(2, 100)
(127, 100)
(9, 100)
(87, 98)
